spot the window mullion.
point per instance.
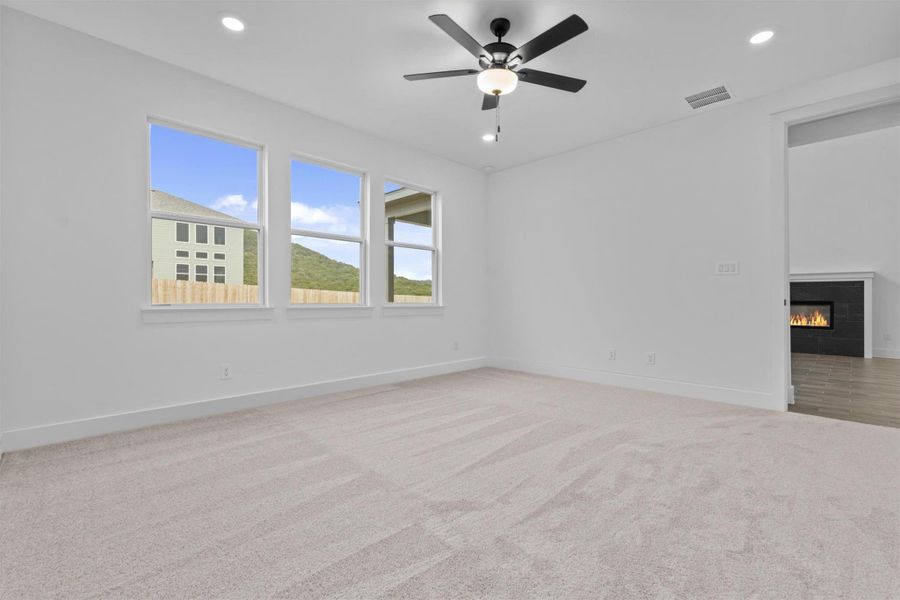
(211, 221)
(411, 246)
(326, 236)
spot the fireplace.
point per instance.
(812, 314)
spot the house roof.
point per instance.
(163, 202)
(409, 206)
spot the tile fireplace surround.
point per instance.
(865, 277)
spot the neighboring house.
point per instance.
(192, 251)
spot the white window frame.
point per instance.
(362, 239)
(205, 274)
(197, 237)
(188, 274)
(223, 274)
(224, 236)
(260, 226)
(434, 248)
(177, 223)
(187, 252)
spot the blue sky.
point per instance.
(216, 174)
(223, 176)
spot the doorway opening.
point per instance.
(841, 325)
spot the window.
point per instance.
(327, 243)
(199, 183)
(182, 232)
(219, 274)
(411, 244)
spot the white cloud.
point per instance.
(230, 202)
(329, 219)
(308, 215)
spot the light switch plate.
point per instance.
(727, 268)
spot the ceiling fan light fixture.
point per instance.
(497, 81)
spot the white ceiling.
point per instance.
(344, 60)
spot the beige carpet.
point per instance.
(485, 484)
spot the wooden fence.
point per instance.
(169, 291)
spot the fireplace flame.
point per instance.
(816, 319)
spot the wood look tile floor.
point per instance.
(866, 390)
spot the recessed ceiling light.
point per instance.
(488, 137)
(762, 37)
(232, 24)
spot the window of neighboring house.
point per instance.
(182, 254)
(327, 234)
(182, 272)
(219, 274)
(182, 232)
(200, 182)
(412, 250)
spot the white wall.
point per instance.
(845, 216)
(614, 246)
(75, 237)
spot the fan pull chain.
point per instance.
(497, 115)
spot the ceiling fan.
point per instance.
(499, 61)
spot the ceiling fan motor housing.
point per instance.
(500, 52)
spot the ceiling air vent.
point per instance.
(701, 99)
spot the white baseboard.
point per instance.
(41, 435)
(727, 395)
(886, 353)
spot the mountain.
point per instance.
(322, 273)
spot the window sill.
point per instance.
(205, 314)
(328, 311)
(412, 310)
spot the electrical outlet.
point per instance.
(727, 268)
(225, 371)
(651, 358)
(611, 354)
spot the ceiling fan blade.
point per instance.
(459, 34)
(440, 74)
(562, 32)
(490, 101)
(560, 82)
